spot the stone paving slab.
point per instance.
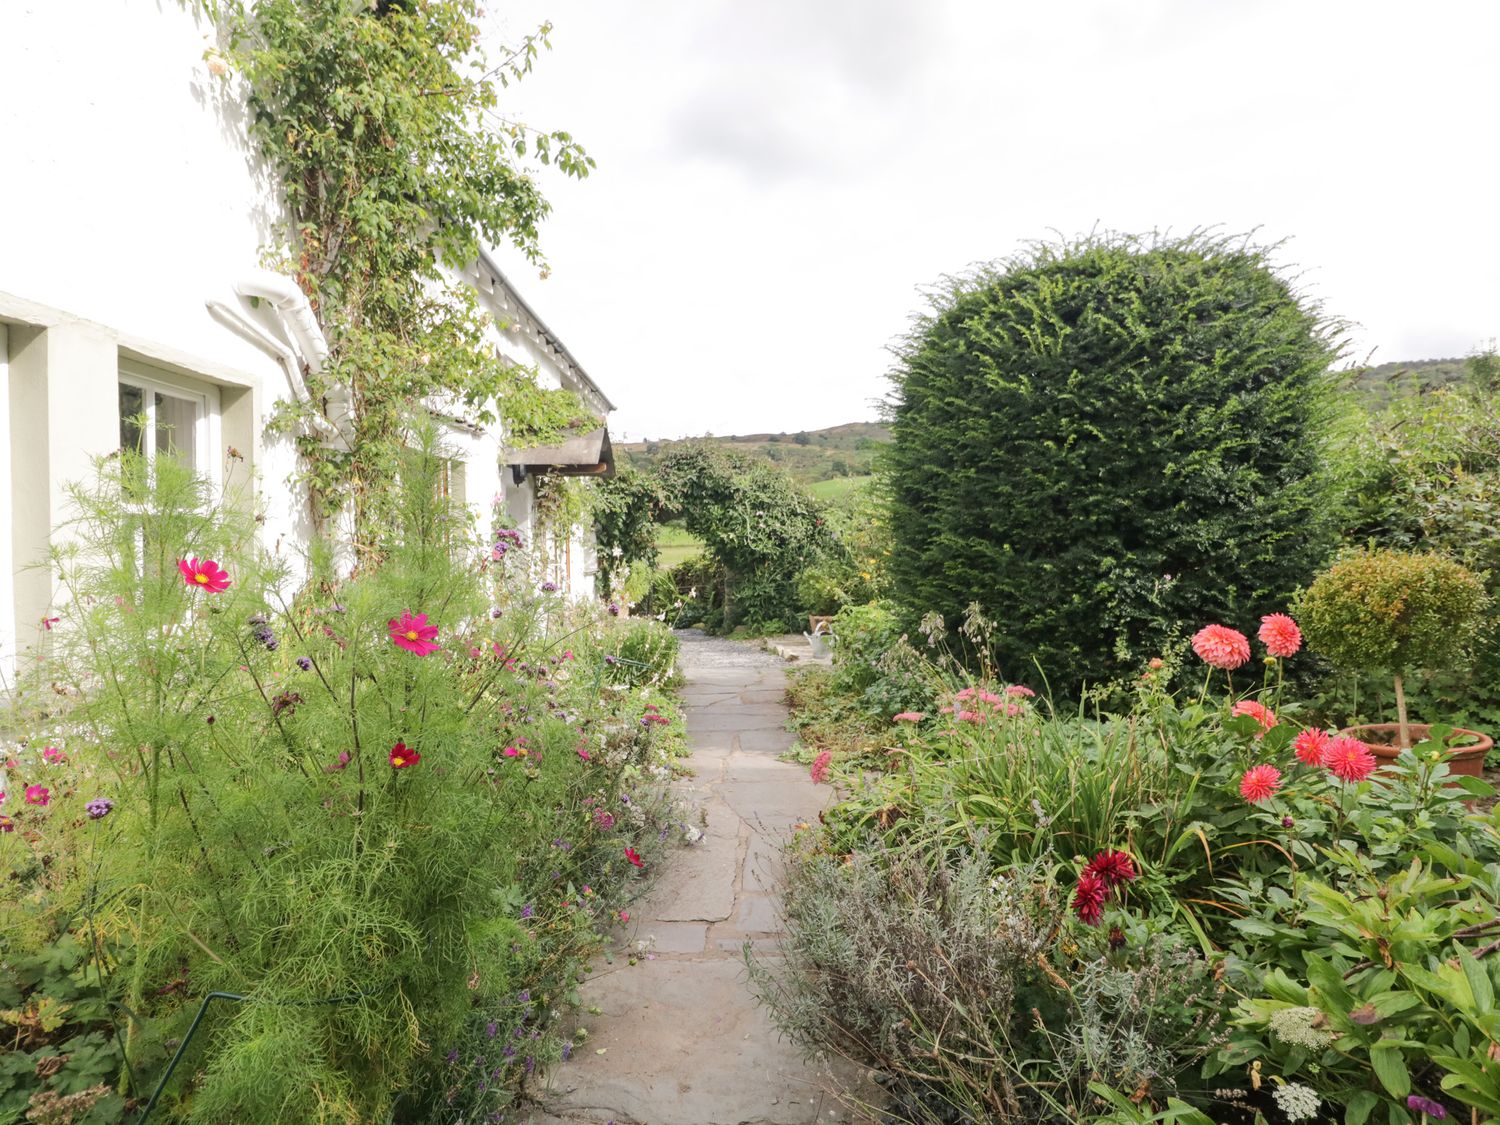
(681, 1039)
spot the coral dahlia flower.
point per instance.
(1257, 711)
(1280, 635)
(1221, 647)
(1349, 759)
(413, 633)
(1113, 867)
(204, 574)
(1311, 747)
(1088, 899)
(403, 755)
(1260, 783)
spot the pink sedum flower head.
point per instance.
(204, 574)
(1020, 690)
(819, 771)
(1257, 711)
(414, 634)
(1311, 747)
(1280, 635)
(1260, 783)
(909, 717)
(38, 795)
(1349, 759)
(1221, 647)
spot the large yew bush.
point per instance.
(1099, 441)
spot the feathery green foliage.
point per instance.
(266, 839)
(1100, 441)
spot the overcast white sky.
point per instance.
(778, 178)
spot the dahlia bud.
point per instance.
(1287, 822)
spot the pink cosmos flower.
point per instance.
(1280, 635)
(403, 756)
(1020, 690)
(819, 771)
(909, 717)
(53, 754)
(414, 634)
(1088, 899)
(1260, 783)
(6, 824)
(1311, 747)
(1349, 759)
(205, 574)
(1221, 647)
(624, 916)
(38, 795)
(583, 753)
(1257, 711)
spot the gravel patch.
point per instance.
(699, 651)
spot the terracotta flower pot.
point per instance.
(1467, 757)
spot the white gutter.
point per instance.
(278, 351)
(288, 300)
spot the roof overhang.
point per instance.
(587, 454)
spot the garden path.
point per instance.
(681, 1040)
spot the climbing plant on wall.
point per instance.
(381, 123)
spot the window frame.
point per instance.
(152, 381)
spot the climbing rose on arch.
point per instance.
(413, 633)
(1280, 635)
(203, 575)
(1221, 647)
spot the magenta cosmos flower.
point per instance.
(204, 574)
(1280, 635)
(1221, 647)
(403, 756)
(413, 633)
(1260, 783)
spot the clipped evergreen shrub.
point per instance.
(1099, 441)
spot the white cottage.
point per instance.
(133, 212)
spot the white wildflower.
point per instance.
(1296, 1026)
(1296, 1102)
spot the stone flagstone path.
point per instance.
(683, 1040)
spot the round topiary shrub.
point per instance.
(1392, 612)
(1100, 441)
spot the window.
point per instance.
(163, 416)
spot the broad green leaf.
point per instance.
(1390, 1067)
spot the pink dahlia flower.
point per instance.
(1221, 647)
(1349, 759)
(1311, 747)
(204, 574)
(1280, 635)
(1257, 711)
(413, 633)
(1260, 783)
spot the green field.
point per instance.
(676, 544)
(838, 487)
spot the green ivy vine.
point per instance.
(379, 119)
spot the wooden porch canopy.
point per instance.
(582, 455)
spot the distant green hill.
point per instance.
(1386, 381)
(808, 456)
